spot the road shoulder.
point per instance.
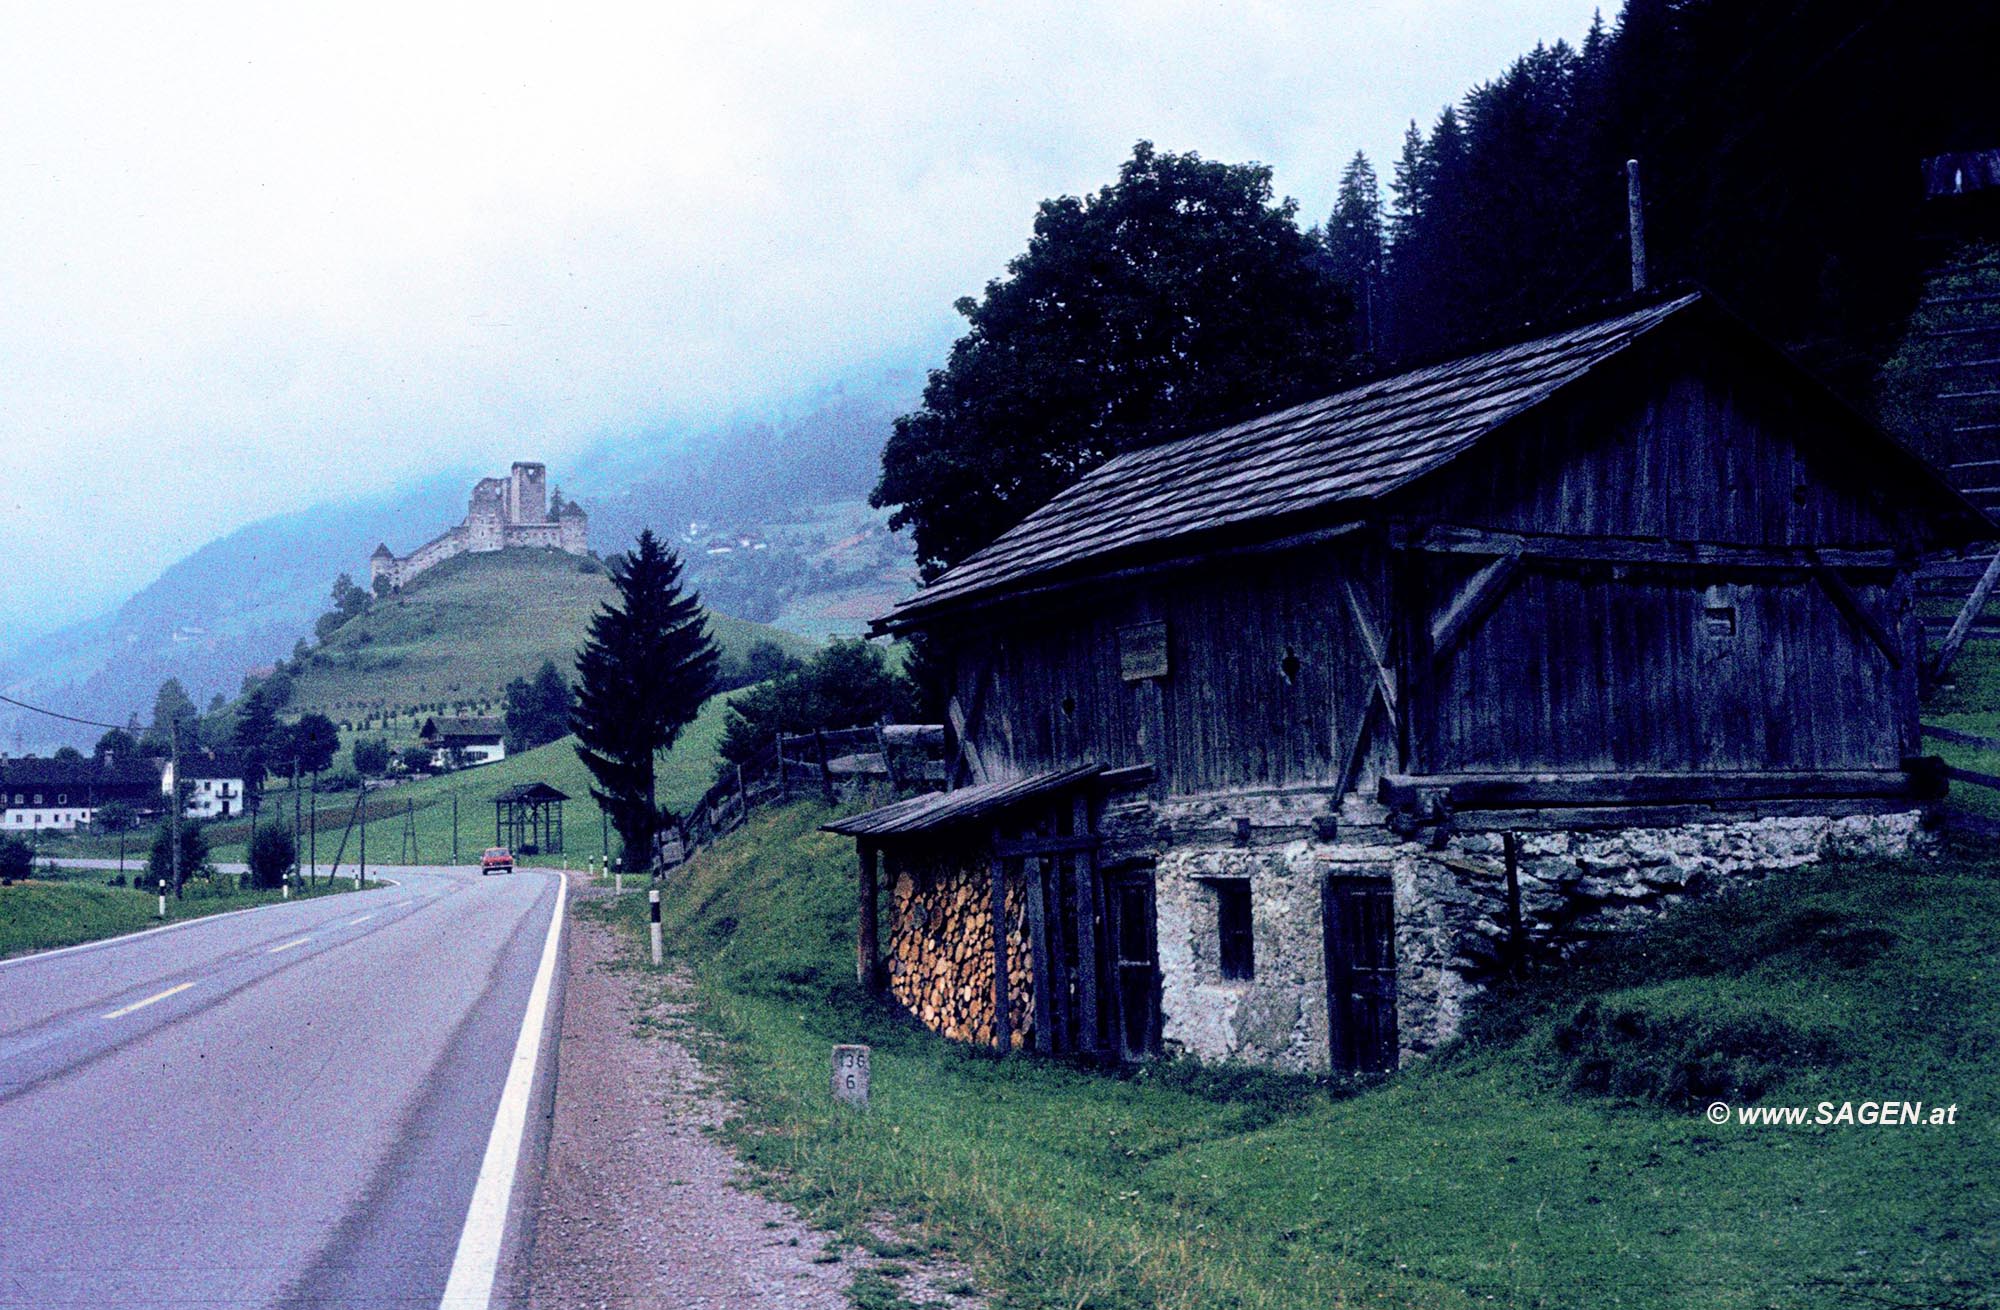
(640, 1204)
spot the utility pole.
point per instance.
(454, 825)
(174, 796)
(312, 827)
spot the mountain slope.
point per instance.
(236, 603)
(459, 633)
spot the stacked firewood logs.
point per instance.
(940, 947)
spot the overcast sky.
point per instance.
(252, 259)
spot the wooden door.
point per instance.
(1133, 956)
(1360, 917)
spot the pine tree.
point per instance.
(642, 675)
(1353, 239)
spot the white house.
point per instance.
(62, 795)
(215, 786)
(472, 740)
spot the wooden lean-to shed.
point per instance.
(1278, 742)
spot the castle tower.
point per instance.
(527, 493)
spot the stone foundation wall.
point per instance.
(939, 936)
(1451, 906)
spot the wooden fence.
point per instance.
(1977, 825)
(900, 757)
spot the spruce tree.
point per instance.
(642, 675)
(1354, 243)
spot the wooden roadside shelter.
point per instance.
(1313, 725)
(528, 819)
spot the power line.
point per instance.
(67, 718)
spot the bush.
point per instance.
(846, 684)
(17, 858)
(1679, 1046)
(194, 853)
(345, 779)
(272, 855)
(371, 756)
(116, 816)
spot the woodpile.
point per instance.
(940, 947)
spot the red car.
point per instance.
(497, 859)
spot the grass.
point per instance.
(465, 629)
(1556, 1157)
(684, 773)
(45, 913)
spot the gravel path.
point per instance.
(637, 1205)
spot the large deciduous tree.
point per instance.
(1179, 295)
(538, 711)
(642, 676)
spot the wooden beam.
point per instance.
(1481, 592)
(1378, 650)
(1850, 604)
(961, 731)
(1451, 539)
(868, 951)
(1527, 791)
(1003, 1031)
(1037, 846)
(1089, 949)
(1968, 614)
(1038, 946)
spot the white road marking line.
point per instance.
(477, 1262)
(150, 1000)
(34, 957)
(361, 919)
(296, 941)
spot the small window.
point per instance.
(1237, 946)
(1720, 620)
(1288, 667)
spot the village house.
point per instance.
(1281, 743)
(466, 740)
(215, 785)
(62, 795)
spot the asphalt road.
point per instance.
(286, 1107)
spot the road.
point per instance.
(291, 1106)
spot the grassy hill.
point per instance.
(1554, 1158)
(459, 633)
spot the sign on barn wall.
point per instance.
(1142, 651)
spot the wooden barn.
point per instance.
(1279, 743)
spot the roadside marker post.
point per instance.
(163, 898)
(850, 1076)
(653, 897)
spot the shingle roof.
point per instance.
(216, 766)
(1355, 445)
(529, 791)
(944, 808)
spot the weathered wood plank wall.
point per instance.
(1742, 659)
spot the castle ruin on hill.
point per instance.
(505, 512)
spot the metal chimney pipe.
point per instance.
(1635, 223)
